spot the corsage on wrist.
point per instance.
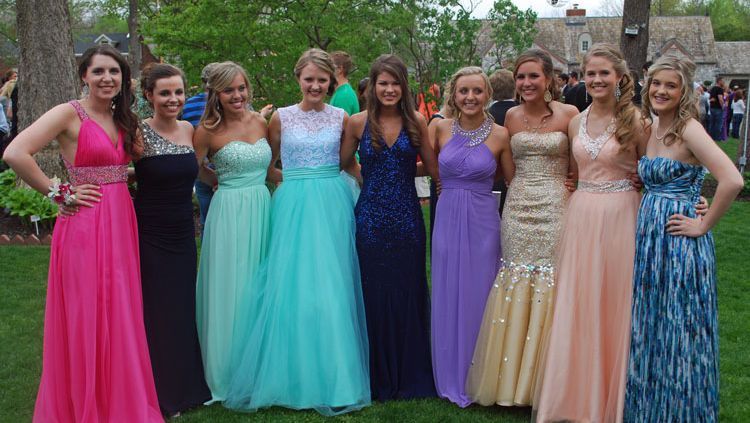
(61, 193)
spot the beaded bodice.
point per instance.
(240, 164)
(540, 155)
(97, 160)
(312, 138)
(156, 145)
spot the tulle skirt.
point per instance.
(307, 339)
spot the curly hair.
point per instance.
(221, 76)
(450, 99)
(687, 108)
(626, 119)
(395, 67)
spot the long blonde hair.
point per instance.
(221, 76)
(450, 98)
(626, 119)
(687, 108)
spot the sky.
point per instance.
(541, 7)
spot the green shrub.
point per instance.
(25, 202)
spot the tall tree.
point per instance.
(46, 69)
(134, 40)
(513, 31)
(635, 19)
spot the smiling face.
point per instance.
(314, 83)
(387, 89)
(168, 96)
(665, 91)
(233, 98)
(600, 78)
(103, 77)
(531, 83)
(471, 95)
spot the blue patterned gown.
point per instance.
(307, 340)
(391, 249)
(673, 372)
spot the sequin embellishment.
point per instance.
(619, 185)
(97, 175)
(594, 146)
(156, 145)
(475, 136)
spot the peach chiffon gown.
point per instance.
(583, 375)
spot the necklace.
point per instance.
(541, 125)
(656, 132)
(475, 136)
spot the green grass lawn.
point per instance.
(23, 274)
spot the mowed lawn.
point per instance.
(23, 274)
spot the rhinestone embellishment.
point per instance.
(475, 136)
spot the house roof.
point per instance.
(691, 35)
(734, 57)
(118, 40)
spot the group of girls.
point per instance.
(316, 297)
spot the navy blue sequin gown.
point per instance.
(673, 372)
(391, 250)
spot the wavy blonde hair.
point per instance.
(687, 108)
(626, 119)
(450, 98)
(221, 76)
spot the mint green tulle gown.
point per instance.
(307, 339)
(235, 240)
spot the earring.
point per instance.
(618, 93)
(85, 90)
(547, 96)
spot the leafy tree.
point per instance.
(513, 31)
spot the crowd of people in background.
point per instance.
(574, 294)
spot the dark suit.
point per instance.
(578, 97)
(498, 111)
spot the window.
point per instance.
(584, 42)
(584, 46)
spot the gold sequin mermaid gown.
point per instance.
(518, 311)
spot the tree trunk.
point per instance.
(46, 70)
(635, 15)
(134, 40)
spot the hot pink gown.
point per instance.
(96, 366)
(582, 378)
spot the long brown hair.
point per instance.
(394, 66)
(220, 77)
(125, 119)
(625, 117)
(687, 108)
(544, 59)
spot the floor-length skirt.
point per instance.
(307, 339)
(587, 348)
(96, 365)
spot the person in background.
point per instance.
(738, 111)
(637, 100)
(4, 129)
(192, 112)
(361, 91)
(344, 97)
(562, 82)
(503, 90)
(716, 113)
(568, 91)
(705, 104)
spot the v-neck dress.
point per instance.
(587, 350)
(96, 365)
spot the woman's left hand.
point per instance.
(636, 181)
(679, 224)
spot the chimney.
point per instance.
(575, 11)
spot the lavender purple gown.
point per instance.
(465, 256)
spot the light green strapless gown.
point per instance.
(235, 240)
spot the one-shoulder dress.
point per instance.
(96, 365)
